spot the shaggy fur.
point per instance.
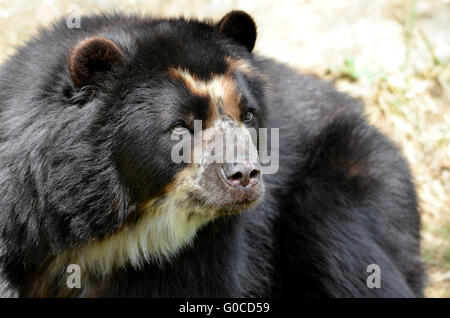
(85, 169)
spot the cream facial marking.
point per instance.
(221, 89)
(241, 66)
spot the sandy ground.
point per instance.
(394, 54)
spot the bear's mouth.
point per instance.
(226, 195)
(223, 206)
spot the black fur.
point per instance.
(76, 162)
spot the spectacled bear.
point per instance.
(87, 177)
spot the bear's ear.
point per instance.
(240, 27)
(90, 59)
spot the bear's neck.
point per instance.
(161, 231)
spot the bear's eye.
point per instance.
(180, 127)
(247, 117)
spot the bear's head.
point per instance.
(134, 174)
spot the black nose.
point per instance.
(244, 174)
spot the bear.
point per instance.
(87, 176)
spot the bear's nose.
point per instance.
(242, 174)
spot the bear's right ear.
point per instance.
(240, 27)
(92, 58)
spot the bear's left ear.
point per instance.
(240, 27)
(92, 58)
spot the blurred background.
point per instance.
(393, 54)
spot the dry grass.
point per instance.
(394, 54)
(411, 104)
